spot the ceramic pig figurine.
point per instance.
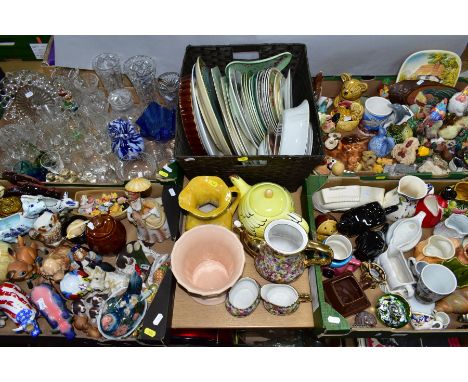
(47, 229)
(458, 104)
(15, 304)
(53, 308)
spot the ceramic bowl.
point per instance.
(295, 130)
(279, 299)
(440, 247)
(96, 194)
(187, 116)
(131, 326)
(455, 226)
(393, 311)
(243, 298)
(207, 261)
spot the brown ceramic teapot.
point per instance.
(105, 235)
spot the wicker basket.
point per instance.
(289, 171)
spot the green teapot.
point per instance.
(262, 203)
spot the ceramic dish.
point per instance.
(96, 194)
(141, 309)
(434, 65)
(209, 107)
(188, 118)
(393, 311)
(203, 132)
(295, 130)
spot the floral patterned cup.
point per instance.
(281, 300)
(243, 298)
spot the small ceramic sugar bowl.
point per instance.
(243, 298)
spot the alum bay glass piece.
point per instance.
(107, 67)
(168, 87)
(141, 71)
(52, 162)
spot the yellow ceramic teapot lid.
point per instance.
(269, 199)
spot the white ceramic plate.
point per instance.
(232, 133)
(203, 132)
(207, 106)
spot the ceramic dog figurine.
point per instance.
(24, 266)
(47, 229)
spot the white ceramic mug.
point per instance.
(377, 112)
(436, 282)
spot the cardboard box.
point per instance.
(331, 87)
(327, 318)
(152, 333)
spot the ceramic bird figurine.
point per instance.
(381, 144)
(437, 113)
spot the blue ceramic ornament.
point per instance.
(127, 143)
(381, 145)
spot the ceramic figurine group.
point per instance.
(410, 241)
(78, 272)
(268, 229)
(412, 126)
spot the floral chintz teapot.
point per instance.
(262, 203)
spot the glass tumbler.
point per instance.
(141, 71)
(52, 161)
(107, 67)
(168, 87)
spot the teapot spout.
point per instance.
(240, 184)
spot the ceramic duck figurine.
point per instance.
(262, 203)
(381, 144)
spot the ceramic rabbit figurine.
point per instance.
(381, 145)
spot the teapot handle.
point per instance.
(318, 260)
(250, 243)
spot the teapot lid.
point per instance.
(269, 199)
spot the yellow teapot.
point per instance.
(262, 203)
(208, 190)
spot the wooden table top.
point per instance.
(188, 313)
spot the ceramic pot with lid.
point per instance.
(105, 235)
(262, 203)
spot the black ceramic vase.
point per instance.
(363, 218)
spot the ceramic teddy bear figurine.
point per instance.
(347, 103)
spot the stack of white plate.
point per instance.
(234, 113)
